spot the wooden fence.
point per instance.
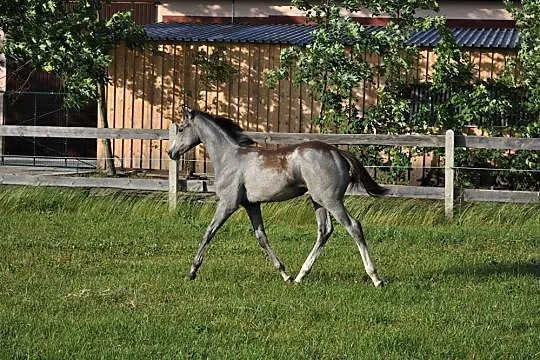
(149, 86)
(449, 141)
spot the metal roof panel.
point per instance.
(295, 34)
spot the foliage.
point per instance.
(527, 17)
(67, 38)
(74, 286)
(326, 67)
(467, 102)
(494, 107)
(335, 63)
(453, 68)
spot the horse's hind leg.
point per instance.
(354, 228)
(223, 211)
(324, 230)
(254, 213)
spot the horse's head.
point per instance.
(185, 136)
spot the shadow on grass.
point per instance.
(496, 269)
(337, 277)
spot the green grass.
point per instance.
(86, 274)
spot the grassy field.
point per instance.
(89, 274)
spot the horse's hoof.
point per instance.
(191, 277)
(379, 284)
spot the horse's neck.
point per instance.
(219, 146)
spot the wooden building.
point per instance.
(149, 86)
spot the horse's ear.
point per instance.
(188, 113)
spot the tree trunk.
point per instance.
(102, 111)
(102, 114)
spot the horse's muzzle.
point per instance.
(174, 155)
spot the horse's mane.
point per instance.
(229, 127)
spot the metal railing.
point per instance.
(39, 108)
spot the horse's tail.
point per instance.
(359, 175)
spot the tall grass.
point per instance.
(377, 211)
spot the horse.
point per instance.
(246, 176)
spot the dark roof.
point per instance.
(187, 32)
(472, 38)
(294, 34)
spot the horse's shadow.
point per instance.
(491, 269)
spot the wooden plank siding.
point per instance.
(149, 86)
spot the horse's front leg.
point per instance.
(223, 211)
(254, 213)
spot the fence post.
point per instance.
(449, 174)
(173, 174)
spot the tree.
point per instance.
(527, 18)
(68, 38)
(335, 63)
(495, 106)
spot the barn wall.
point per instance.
(148, 88)
(142, 11)
(469, 12)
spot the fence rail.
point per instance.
(83, 132)
(449, 141)
(478, 142)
